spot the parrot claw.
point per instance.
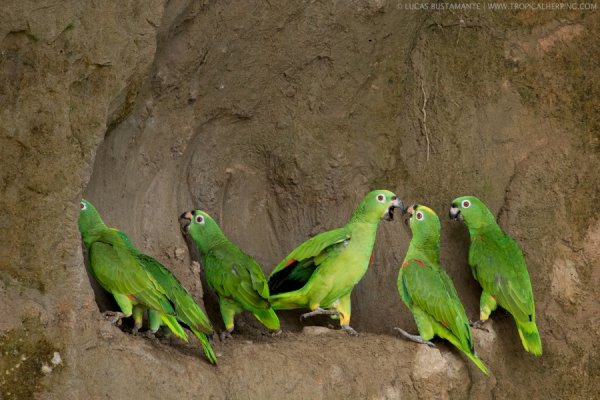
(414, 338)
(350, 330)
(150, 334)
(225, 335)
(478, 325)
(114, 317)
(276, 333)
(319, 311)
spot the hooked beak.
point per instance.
(409, 213)
(455, 214)
(396, 203)
(185, 220)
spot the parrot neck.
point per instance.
(359, 216)
(93, 233)
(425, 248)
(216, 239)
(489, 229)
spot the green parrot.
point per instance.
(237, 279)
(497, 263)
(428, 291)
(321, 273)
(139, 282)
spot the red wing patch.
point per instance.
(371, 259)
(419, 262)
(132, 297)
(405, 264)
(293, 260)
(444, 323)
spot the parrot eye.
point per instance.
(466, 204)
(199, 219)
(82, 205)
(380, 198)
(419, 215)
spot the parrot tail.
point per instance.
(469, 352)
(174, 326)
(530, 337)
(288, 300)
(268, 318)
(208, 350)
(477, 361)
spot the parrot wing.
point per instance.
(186, 308)
(233, 274)
(295, 270)
(118, 271)
(432, 290)
(500, 269)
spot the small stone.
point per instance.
(56, 359)
(180, 253)
(315, 330)
(46, 369)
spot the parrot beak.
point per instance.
(396, 203)
(409, 213)
(455, 214)
(185, 220)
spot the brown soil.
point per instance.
(277, 119)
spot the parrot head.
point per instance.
(200, 226)
(424, 222)
(377, 205)
(88, 218)
(471, 211)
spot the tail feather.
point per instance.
(477, 361)
(174, 326)
(208, 350)
(268, 318)
(288, 300)
(530, 337)
(449, 336)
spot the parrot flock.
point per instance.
(318, 276)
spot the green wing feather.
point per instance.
(296, 269)
(118, 271)
(500, 268)
(431, 289)
(235, 275)
(186, 308)
(314, 246)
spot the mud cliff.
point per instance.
(277, 118)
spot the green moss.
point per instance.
(23, 354)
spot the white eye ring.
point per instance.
(380, 198)
(466, 204)
(199, 219)
(83, 206)
(419, 215)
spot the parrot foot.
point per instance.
(226, 335)
(318, 311)
(349, 330)
(114, 317)
(414, 338)
(479, 325)
(150, 334)
(276, 333)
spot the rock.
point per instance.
(316, 330)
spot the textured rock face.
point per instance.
(277, 120)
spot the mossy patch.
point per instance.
(24, 353)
